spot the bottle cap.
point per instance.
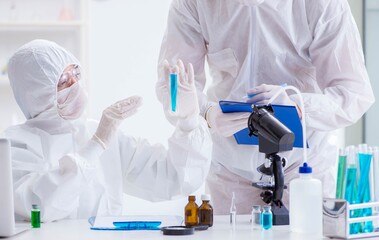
(192, 197)
(305, 168)
(267, 207)
(256, 207)
(35, 206)
(205, 197)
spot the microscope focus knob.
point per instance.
(284, 162)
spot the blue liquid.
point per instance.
(363, 195)
(266, 220)
(138, 225)
(351, 178)
(341, 177)
(173, 90)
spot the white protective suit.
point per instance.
(313, 45)
(59, 167)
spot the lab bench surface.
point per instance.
(221, 229)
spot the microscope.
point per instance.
(273, 137)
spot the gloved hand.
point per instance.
(263, 93)
(112, 118)
(187, 106)
(226, 124)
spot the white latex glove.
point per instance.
(226, 124)
(187, 106)
(112, 118)
(263, 93)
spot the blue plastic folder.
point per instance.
(285, 114)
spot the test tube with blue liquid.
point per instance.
(351, 175)
(351, 182)
(375, 164)
(363, 193)
(173, 88)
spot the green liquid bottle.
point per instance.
(35, 218)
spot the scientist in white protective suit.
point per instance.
(76, 168)
(253, 47)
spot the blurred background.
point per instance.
(118, 42)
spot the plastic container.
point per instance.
(306, 203)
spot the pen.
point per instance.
(253, 94)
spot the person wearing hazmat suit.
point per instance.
(252, 47)
(74, 167)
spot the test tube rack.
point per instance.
(337, 220)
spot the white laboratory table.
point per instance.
(222, 229)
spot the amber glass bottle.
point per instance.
(206, 211)
(191, 217)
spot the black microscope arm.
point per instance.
(277, 164)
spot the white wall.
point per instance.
(125, 39)
(354, 133)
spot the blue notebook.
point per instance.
(285, 114)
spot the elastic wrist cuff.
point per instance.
(98, 140)
(92, 150)
(206, 115)
(188, 124)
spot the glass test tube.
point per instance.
(173, 89)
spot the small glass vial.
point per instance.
(256, 216)
(206, 211)
(266, 217)
(35, 218)
(191, 217)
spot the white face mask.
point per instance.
(72, 102)
(250, 2)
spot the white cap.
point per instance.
(205, 197)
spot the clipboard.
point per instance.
(285, 114)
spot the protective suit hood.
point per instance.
(34, 71)
(250, 3)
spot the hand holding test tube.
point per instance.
(178, 94)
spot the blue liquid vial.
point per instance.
(266, 217)
(173, 90)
